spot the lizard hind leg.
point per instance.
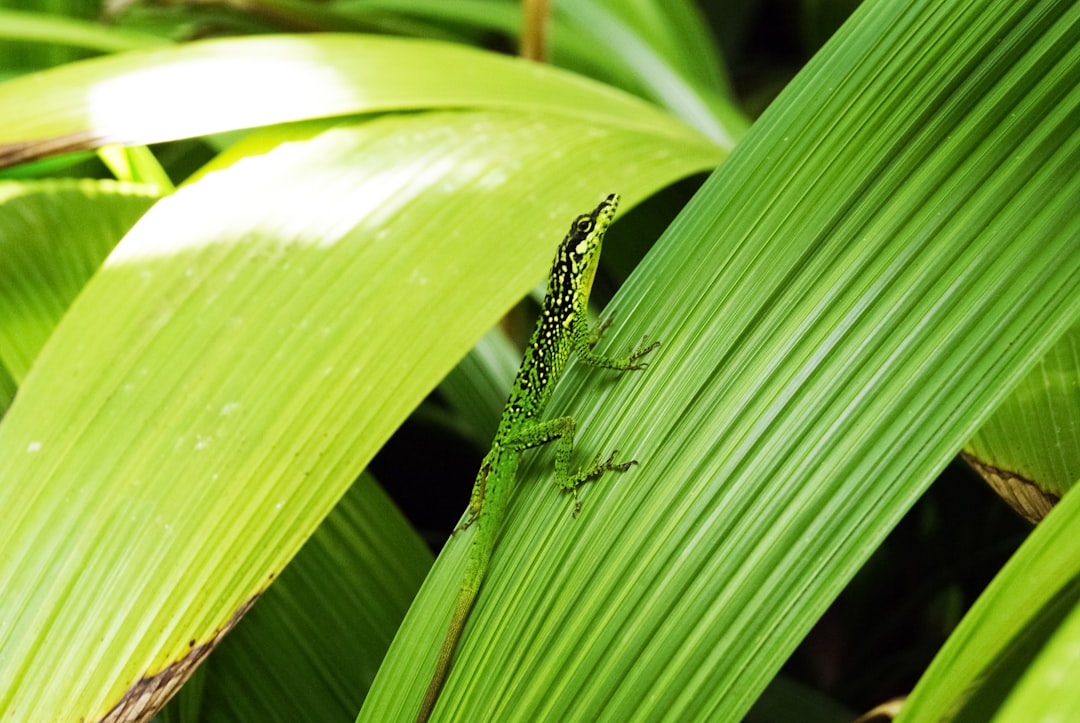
(570, 481)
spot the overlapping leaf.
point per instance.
(245, 350)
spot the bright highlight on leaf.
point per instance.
(200, 374)
(214, 86)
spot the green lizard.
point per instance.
(562, 329)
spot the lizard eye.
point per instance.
(584, 224)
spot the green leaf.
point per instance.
(657, 56)
(135, 164)
(178, 92)
(658, 50)
(310, 648)
(1029, 450)
(890, 249)
(1044, 690)
(54, 235)
(242, 354)
(661, 51)
(54, 28)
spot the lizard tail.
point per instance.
(462, 606)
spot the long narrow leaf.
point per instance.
(890, 249)
(213, 86)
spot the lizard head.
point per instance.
(581, 248)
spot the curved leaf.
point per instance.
(53, 236)
(207, 87)
(239, 358)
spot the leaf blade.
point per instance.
(847, 298)
(199, 374)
